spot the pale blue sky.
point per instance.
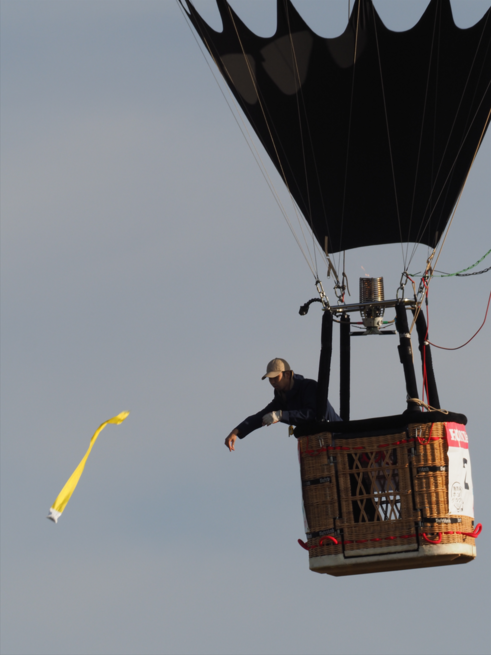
(145, 266)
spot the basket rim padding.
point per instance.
(397, 421)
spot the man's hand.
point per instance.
(230, 440)
(272, 417)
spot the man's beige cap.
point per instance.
(275, 367)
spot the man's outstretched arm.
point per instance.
(250, 424)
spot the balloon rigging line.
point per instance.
(447, 179)
(345, 180)
(423, 228)
(317, 245)
(421, 135)
(463, 186)
(326, 225)
(430, 268)
(310, 140)
(485, 270)
(445, 190)
(297, 80)
(250, 144)
(296, 207)
(253, 80)
(252, 147)
(451, 170)
(297, 210)
(461, 273)
(389, 140)
(465, 344)
(300, 92)
(423, 288)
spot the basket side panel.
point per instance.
(318, 490)
(431, 486)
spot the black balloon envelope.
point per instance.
(373, 131)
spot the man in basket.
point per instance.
(294, 402)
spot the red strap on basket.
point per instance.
(424, 441)
(430, 541)
(314, 452)
(476, 532)
(321, 542)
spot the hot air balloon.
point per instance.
(373, 133)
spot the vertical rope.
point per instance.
(250, 143)
(345, 181)
(389, 140)
(253, 80)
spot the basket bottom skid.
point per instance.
(426, 555)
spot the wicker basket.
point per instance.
(380, 502)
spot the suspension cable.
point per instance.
(297, 81)
(250, 143)
(461, 273)
(423, 227)
(345, 180)
(421, 133)
(253, 80)
(428, 275)
(465, 344)
(390, 144)
(463, 187)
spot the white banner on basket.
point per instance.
(460, 491)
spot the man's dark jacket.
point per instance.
(298, 405)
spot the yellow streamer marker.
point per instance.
(66, 493)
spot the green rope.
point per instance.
(462, 272)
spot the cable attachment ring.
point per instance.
(425, 279)
(322, 295)
(402, 286)
(340, 288)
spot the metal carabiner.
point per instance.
(322, 294)
(402, 286)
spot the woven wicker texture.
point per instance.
(380, 535)
(375, 491)
(322, 503)
(314, 459)
(431, 487)
(318, 483)
(450, 533)
(370, 492)
(374, 480)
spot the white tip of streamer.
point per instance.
(53, 515)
